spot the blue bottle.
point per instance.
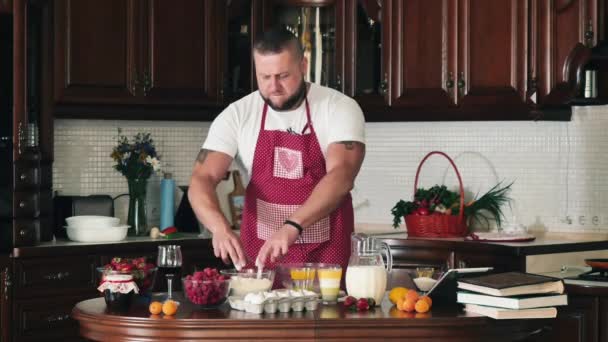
(167, 202)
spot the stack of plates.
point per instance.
(90, 228)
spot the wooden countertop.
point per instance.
(329, 322)
(545, 243)
(67, 247)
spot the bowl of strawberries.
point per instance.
(142, 270)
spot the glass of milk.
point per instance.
(329, 282)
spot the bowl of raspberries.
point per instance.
(206, 289)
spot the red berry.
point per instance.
(349, 301)
(362, 304)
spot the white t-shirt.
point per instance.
(335, 117)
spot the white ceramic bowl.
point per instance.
(107, 234)
(424, 283)
(92, 221)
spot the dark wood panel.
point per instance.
(577, 322)
(423, 56)
(492, 48)
(562, 25)
(47, 319)
(5, 297)
(54, 276)
(182, 47)
(94, 51)
(6, 6)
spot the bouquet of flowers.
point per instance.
(137, 159)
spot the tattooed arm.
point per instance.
(209, 169)
(343, 162)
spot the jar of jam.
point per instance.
(117, 290)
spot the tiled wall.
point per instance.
(559, 169)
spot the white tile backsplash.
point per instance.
(560, 169)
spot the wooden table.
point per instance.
(328, 323)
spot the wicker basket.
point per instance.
(442, 226)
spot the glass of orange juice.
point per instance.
(329, 282)
(302, 277)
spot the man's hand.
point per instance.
(227, 246)
(277, 245)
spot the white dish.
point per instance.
(92, 221)
(106, 234)
(424, 283)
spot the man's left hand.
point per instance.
(277, 245)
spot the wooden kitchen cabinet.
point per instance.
(578, 321)
(5, 297)
(135, 52)
(6, 6)
(96, 51)
(423, 42)
(560, 32)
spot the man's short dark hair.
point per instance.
(276, 40)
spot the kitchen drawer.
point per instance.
(43, 277)
(46, 319)
(26, 176)
(410, 258)
(26, 232)
(501, 263)
(26, 204)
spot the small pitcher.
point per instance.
(367, 275)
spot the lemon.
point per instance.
(397, 294)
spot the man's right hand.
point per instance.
(226, 245)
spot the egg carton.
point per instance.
(280, 301)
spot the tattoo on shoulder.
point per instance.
(349, 145)
(202, 155)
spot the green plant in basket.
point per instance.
(438, 200)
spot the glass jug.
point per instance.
(366, 275)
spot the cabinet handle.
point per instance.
(135, 84)
(147, 83)
(7, 282)
(449, 84)
(384, 85)
(20, 137)
(57, 318)
(23, 177)
(589, 34)
(338, 85)
(22, 204)
(22, 232)
(57, 276)
(461, 83)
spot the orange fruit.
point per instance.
(400, 305)
(428, 300)
(155, 308)
(422, 306)
(409, 305)
(169, 307)
(412, 295)
(397, 294)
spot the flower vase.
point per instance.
(137, 207)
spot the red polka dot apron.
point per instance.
(286, 168)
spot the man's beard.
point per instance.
(291, 102)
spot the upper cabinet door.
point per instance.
(367, 40)
(492, 53)
(423, 46)
(94, 51)
(180, 52)
(564, 28)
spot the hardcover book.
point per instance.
(512, 284)
(501, 313)
(517, 302)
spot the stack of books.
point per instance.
(512, 295)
